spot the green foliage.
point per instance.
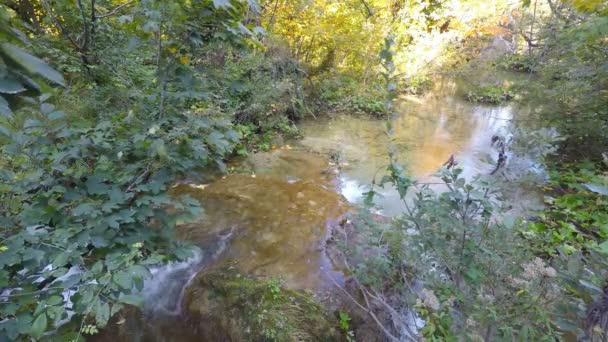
(343, 94)
(576, 218)
(264, 89)
(572, 70)
(19, 68)
(453, 257)
(417, 84)
(478, 276)
(79, 197)
(489, 94)
(85, 171)
(516, 62)
(344, 320)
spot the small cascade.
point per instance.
(163, 291)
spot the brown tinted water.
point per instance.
(427, 132)
(270, 219)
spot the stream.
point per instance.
(270, 217)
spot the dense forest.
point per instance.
(109, 107)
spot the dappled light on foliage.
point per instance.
(303, 170)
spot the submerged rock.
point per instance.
(291, 165)
(224, 305)
(272, 227)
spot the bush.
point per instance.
(576, 218)
(343, 94)
(489, 94)
(516, 62)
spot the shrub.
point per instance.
(489, 94)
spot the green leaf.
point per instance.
(139, 271)
(5, 109)
(11, 85)
(604, 247)
(97, 267)
(83, 209)
(598, 189)
(56, 115)
(103, 314)
(159, 148)
(123, 279)
(54, 300)
(30, 63)
(132, 299)
(39, 326)
(31, 123)
(47, 108)
(95, 186)
(61, 259)
(219, 4)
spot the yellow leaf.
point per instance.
(184, 60)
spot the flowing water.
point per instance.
(270, 218)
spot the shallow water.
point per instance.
(426, 133)
(270, 218)
(276, 226)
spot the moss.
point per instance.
(231, 306)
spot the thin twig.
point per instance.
(116, 9)
(146, 171)
(368, 311)
(369, 10)
(85, 26)
(59, 25)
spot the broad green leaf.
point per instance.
(123, 279)
(54, 300)
(598, 189)
(219, 4)
(31, 123)
(95, 186)
(139, 271)
(102, 315)
(11, 85)
(61, 259)
(83, 209)
(159, 148)
(56, 115)
(39, 326)
(46, 108)
(30, 63)
(132, 299)
(5, 109)
(604, 247)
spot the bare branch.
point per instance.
(116, 9)
(59, 25)
(369, 10)
(367, 310)
(271, 21)
(85, 26)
